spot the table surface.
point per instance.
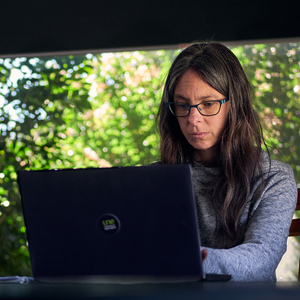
(199, 290)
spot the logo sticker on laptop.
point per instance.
(109, 224)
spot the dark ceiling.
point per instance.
(44, 26)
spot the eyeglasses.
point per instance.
(207, 108)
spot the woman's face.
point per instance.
(202, 132)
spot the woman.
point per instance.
(245, 200)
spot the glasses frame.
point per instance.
(196, 106)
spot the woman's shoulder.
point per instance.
(279, 176)
(273, 165)
(280, 185)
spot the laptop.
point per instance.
(127, 224)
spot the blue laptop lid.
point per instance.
(127, 223)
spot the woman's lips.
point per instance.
(198, 135)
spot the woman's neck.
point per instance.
(208, 158)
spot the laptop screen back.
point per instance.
(128, 223)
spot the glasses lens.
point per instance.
(179, 109)
(209, 108)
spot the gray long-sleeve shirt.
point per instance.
(267, 228)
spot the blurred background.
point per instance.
(80, 86)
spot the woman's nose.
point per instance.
(194, 116)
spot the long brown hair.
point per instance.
(240, 145)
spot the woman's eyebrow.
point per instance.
(181, 97)
(187, 99)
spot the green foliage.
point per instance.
(274, 71)
(34, 96)
(99, 110)
(66, 112)
(120, 129)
